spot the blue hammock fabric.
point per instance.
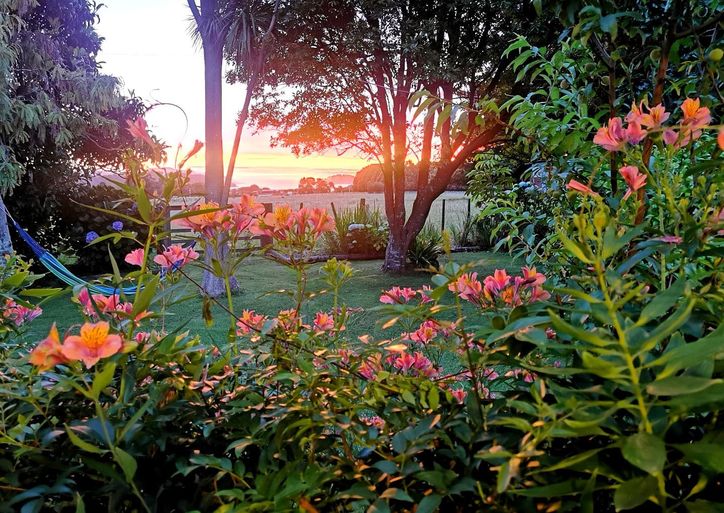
(63, 273)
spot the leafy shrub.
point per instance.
(598, 390)
(426, 249)
(358, 230)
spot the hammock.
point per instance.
(61, 272)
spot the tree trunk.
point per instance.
(396, 254)
(214, 156)
(6, 243)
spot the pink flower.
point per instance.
(636, 115)
(397, 295)
(249, 321)
(575, 185)
(175, 257)
(427, 331)
(19, 314)
(459, 394)
(533, 277)
(136, 257)
(497, 282)
(404, 362)
(371, 366)
(670, 136)
(669, 239)
(633, 178)
(611, 136)
(323, 322)
(695, 118)
(468, 288)
(634, 133)
(656, 117)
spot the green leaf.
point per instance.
(669, 326)
(634, 492)
(710, 456)
(103, 379)
(645, 451)
(609, 25)
(397, 494)
(144, 296)
(574, 248)
(127, 463)
(662, 302)
(40, 292)
(579, 333)
(79, 504)
(680, 385)
(82, 444)
(691, 354)
(429, 504)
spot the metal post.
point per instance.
(443, 214)
(468, 208)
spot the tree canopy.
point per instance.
(343, 74)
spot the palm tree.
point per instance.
(231, 28)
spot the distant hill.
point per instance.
(369, 179)
(341, 180)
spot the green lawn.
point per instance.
(257, 277)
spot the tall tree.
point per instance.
(345, 71)
(61, 118)
(240, 31)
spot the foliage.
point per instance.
(358, 230)
(309, 185)
(426, 249)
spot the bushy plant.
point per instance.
(598, 390)
(427, 248)
(357, 230)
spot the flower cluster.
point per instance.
(300, 228)
(99, 304)
(402, 295)
(92, 343)
(643, 121)
(501, 288)
(19, 314)
(175, 256)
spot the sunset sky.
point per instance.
(148, 46)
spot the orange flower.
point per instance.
(321, 221)
(575, 185)
(47, 354)
(197, 147)
(611, 136)
(637, 113)
(93, 344)
(694, 114)
(655, 118)
(139, 130)
(720, 139)
(633, 178)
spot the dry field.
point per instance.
(456, 203)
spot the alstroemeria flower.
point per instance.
(670, 136)
(176, 256)
(577, 186)
(323, 322)
(250, 321)
(397, 295)
(656, 117)
(139, 130)
(19, 314)
(196, 148)
(47, 354)
(93, 343)
(611, 136)
(636, 115)
(695, 118)
(720, 139)
(633, 178)
(459, 394)
(634, 133)
(497, 282)
(468, 287)
(135, 257)
(694, 114)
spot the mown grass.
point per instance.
(261, 281)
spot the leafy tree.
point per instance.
(345, 71)
(61, 118)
